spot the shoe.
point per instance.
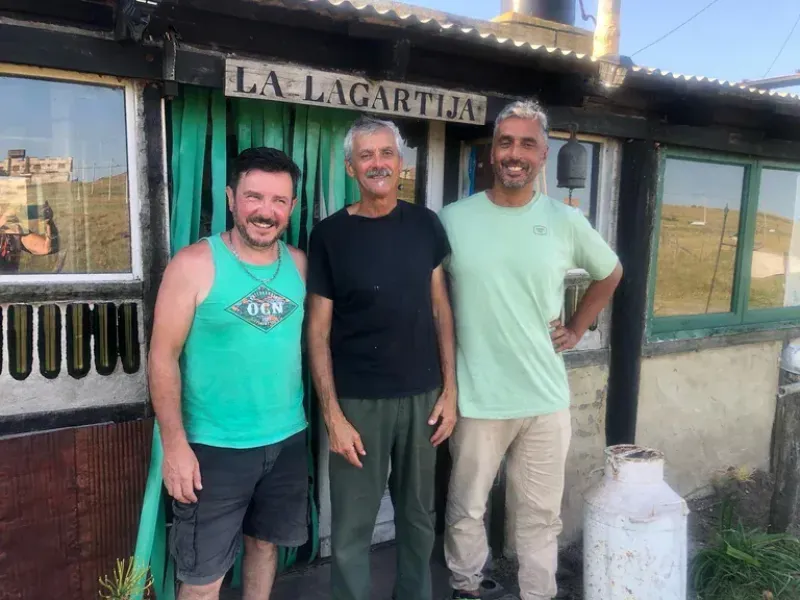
(462, 595)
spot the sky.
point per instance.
(732, 40)
(50, 119)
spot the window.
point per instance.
(586, 198)
(411, 183)
(65, 191)
(69, 214)
(728, 244)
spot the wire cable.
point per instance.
(783, 47)
(686, 22)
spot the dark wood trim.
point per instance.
(667, 347)
(46, 421)
(54, 49)
(204, 69)
(637, 205)
(26, 293)
(717, 138)
(155, 225)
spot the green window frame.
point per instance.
(741, 318)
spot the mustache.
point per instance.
(515, 163)
(379, 172)
(262, 221)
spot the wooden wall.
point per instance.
(69, 507)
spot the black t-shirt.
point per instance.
(378, 273)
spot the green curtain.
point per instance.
(189, 114)
(314, 138)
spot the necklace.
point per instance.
(249, 272)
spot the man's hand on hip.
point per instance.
(563, 338)
(444, 411)
(181, 472)
(346, 442)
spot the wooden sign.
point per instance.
(289, 83)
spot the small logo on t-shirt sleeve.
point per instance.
(540, 230)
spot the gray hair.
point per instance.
(368, 125)
(530, 110)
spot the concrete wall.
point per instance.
(709, 410)
(589, 386)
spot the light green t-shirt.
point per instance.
(507, 269)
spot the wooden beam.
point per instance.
(37, 46)
(785, 505)
(38, 422)
(637, 210)
(722, 139)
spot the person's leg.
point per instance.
(356, 496)
(411, 484)
(259, 566)
(200, 592)
(206, 535)
(278, 514)
(536, 464)
(477, 448)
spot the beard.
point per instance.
(514, 183)
(241, 227)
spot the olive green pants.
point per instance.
(397, 431)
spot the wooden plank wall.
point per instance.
(69, 507)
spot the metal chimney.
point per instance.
(560, 11)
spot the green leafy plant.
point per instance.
(747, 564)
(126, 581)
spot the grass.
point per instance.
(93, 226)
(687, 255)
(745, 564)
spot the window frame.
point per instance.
(741, 317)
(132, 108)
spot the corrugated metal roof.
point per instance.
(489, 32)
(465, 27)
(722, 83)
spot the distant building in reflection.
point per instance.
(36, 170)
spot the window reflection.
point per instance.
(415, 137)
(63, 178)
(775, 261)
(700, 211)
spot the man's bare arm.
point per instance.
(344, 439)
(445, 408)
(172, 320)
(36, 243)
(596, 298)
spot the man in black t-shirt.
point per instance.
(380, 334)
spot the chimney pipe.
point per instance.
(606, 32)
(559, 11)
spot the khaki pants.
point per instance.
(536, 451)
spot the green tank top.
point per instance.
(241, 366)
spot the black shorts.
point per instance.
(261, 492)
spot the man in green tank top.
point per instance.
(225, 380)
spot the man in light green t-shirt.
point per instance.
(511, 248)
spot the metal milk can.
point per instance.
(635, 530)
